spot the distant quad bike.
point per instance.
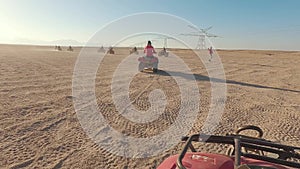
(163, 53)
(134, 51)
(148, 63)
(70, 49)
(244, 152)
(59, 48)
(111, 51)
(101, 49)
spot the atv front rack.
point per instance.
(284, 152)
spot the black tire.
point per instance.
(155, 70)
(141, 66)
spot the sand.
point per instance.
(39, 127)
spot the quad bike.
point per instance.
(245, 152)
(70, 49)
(59, 48)
(111, 51)
(163, 53)
(134, 50)
(148, 63)
(102, 50)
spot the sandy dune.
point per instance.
(39, 126)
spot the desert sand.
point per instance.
(39, 127)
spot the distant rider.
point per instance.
(210, 51)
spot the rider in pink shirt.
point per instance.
(149, 49)
(148, 61)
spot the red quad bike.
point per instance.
(148, 63)
(244, 152)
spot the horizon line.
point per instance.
(97, 46)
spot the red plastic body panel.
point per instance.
(200, 160)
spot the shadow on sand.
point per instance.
(199, 77)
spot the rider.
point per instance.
(210, 51)
(149, 49)
(149, 58)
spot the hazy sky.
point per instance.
(250, 24)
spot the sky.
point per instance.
(241, 24)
